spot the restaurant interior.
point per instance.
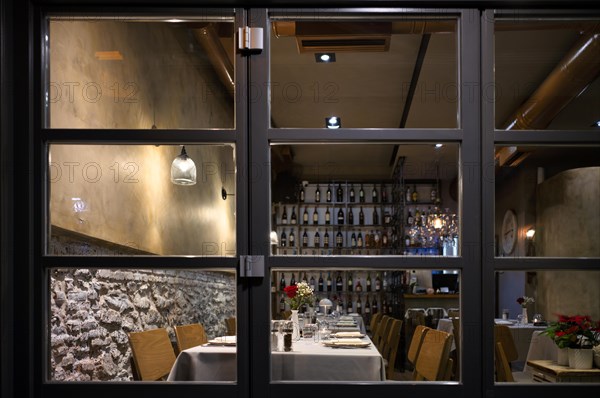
(332, 205)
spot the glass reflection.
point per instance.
(97, 317)
(373, 314)
(535, 305)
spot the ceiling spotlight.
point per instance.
(333, 122)
(325, 57)
(183, 169)
(439, 145)
(596, 123)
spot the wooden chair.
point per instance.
(189, 336)
(378, 335)
(153, 354)
(416, 342)
(453, 314)
(502, 334)
(375, 319)
(383, 338)
(433, 358)
(231, 326)
(457, 344)
(390, 350)
(503, 372)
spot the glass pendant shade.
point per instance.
(183, 169)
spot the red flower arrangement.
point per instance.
(578, 331)
(299, 295)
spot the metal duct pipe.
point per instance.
(578, 69)
(209, 40)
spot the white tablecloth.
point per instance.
(307, 361)
(522, 336)
(541, 347)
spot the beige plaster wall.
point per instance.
(126, 197)
(163, 76)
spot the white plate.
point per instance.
(224, 340)
(347, 343)
(358, 335)
(503, 322)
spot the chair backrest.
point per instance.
(383, 338)
(378, 335)
(391, 347)
(375, 319)
(416, 342)
(189, 336)
(453, 313)
(503, 371)
(153, 354)
(457, 344)
(502, 334)
(432, 360)
(231, 326)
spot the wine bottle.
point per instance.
(339, 285)
(339, 239)
(367, 306)
(353, 240)
(328, 195)
(292, 280)
(361, 194)
(384, 198)
(352, 193)
(374, 305)
(415, 194)
(340, 193)
(329, 281)
(315, 216)
(367, 240)
(375, 217)
(293, 219)
(320, 281)
(359, 287)
(282, 303)
(358, 305)
(377, 239)
(304, 279)
(317, 194)
(284, 218)
(349, 307)
(408, 195)
(368, 282)
(359, 240)
(312, 283)
(326, 240)
(374, 194)
(327, 217)
(410, 220)
(350, 284)
(340, 217)
(377, 283)
(273, 287)
(350, 217)
(384, 239)
(361, 217)
(302, 194)
(291, 239)
(305, 216)
(282, 282)
(283, 239)
(317, 239)
(304, 239)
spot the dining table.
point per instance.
(309, 360)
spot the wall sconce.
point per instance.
(529, 239)
(183, 169)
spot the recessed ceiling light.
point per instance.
(333, 122)
(439, 145)
(175, 20)
(325, 57)
(596, 123)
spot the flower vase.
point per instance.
(296, 325)
(581, 358)
(563, 356)
(524, 319)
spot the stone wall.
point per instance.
(92, 310)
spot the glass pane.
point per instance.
(402, 201)
(546, 74)
(384, 74)
(123, 73)
(121, 200)
(547, 201)
(96, 316)
(377, 312)
(550, 297)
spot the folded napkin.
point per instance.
(349, 334)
